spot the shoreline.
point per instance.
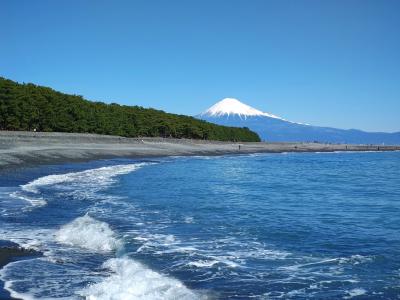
(11, 252)
(30, 149)
(19, 149)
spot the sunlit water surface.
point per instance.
(267, 226)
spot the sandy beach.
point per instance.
(28, 149)
(24, 149)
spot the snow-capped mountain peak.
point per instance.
(231, 106)
(232, 112)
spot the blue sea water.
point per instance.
(263, 226)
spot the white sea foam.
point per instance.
(15, 295)
(89, 233)
(97, 177)
(31, 280)
(32, 239)
(352, 260)
(203, 263)
(33, 201)
(355, 292)
(188, 220)
(206, 254)
(26, 238)
(260, 253)
(132, 280)
(355, 259)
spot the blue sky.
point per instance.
(333, 63)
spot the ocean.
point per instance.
(261, 226)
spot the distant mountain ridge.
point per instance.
(232, 112)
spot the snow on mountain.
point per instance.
(232, 112)
(231, 106)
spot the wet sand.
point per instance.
(25, 149)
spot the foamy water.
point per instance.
(298, 226)
(132, 280)
(128, 279)
(101, 176)
(88, 233)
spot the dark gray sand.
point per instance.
(24, 149)
(12, 252)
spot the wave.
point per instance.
(34, 202)
(16, 295)
(101, 176)
(132, 280)
(89, 233)
(82, 185)
(225, 253)
(127, 278)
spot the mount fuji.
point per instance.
(232, 112)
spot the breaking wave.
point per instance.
(81, 185)
(101, 176)
(132, 280)
(89, 233)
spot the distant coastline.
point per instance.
(25, 149)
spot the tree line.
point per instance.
(31, 107)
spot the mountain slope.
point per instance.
(30, 107)
(231, 106)
(231, 112)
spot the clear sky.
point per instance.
(334, 63)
